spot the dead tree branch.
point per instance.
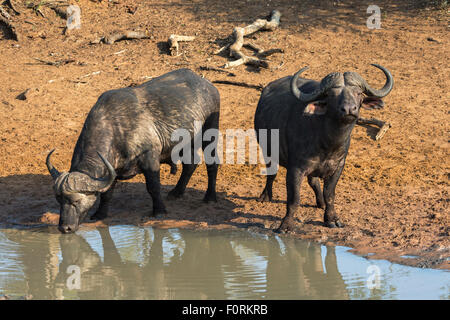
(173, 42)
(238, 35)
(384, 126)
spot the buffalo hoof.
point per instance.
(285, 227)
(98, 216)
(334, 224)
(159, 212)
(174, 194)
(210, 197)
(265, 197)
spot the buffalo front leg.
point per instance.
(209, 147)
(150, 168)
(294, 178)
(210, 194)
(331, 218)
(105, 198)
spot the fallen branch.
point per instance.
(11, 27)
(238, 35)
(127, 35)
(384, 126)
(240, 84)
(173, 42)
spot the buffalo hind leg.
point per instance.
(266, 195)
(331, 218)
(105, 198)
(294, 178)
(186, 174)
(314, 183)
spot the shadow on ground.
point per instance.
(28, 200)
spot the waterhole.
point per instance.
(128, 262)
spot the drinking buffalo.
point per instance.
(127, 132)
(315, 121)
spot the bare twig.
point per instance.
(384, 126)
(120, 52)
(240, 84)
(173, 42)
(90, 74)
(55, 63)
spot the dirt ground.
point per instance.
(393, 196)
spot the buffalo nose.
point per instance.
(67, 228)
(349, 109)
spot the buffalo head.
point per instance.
(340, 95)
(77, 192)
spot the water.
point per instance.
(127, 262)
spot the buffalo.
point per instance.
(129, 131)
(315, 121)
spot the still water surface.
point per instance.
(128, 262)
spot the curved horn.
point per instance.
(83, 183)
(387, 86)
(102, 185)
(53, 172)
(304, 97)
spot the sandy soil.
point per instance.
(393, 196)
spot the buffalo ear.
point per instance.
(316, 108)
(372, 103)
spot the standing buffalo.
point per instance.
(127, 132)
(315, 121)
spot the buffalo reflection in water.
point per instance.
(148, 263)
